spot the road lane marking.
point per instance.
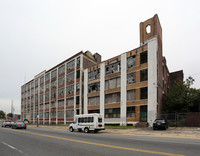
(11, 147)
(102, 145)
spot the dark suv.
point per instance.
(160, 124)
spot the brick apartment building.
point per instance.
(127, 88)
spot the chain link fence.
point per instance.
(182, 119)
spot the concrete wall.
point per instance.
(152, 80)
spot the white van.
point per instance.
(87, 122)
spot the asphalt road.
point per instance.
(48, 142)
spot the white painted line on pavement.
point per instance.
(12, 147)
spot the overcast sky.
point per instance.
(38, 34)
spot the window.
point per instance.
(143, 57)
(46, 105)
(42, 79)
(85, 120)
(41, 97)
(78, 61)
(46, 96)
(46, 86)
(77, 100)
(61, 92)
(32, 84)
(131, 62)
(77, 74)
(53, 105)
(95, 74)
(46, 115)
(131, 78)
(70, 65)
(36, 82)
(36, 90)
(54, 73)
(61, 103)
(112, 98)
(143, 75)
(112, 83)
(94, 101)
(61, 69)
(112, 113)
(70, 89)
(78, 87)
(60, 114)
(143, 93)
(130, 112)
(36, 99)
(53, 114)
(93, 111)
(113, 68)
(61, 81)
(53, 84)
(41, 107)
(100, 119)
(131, 95)
(41, 115)
(69, 113)
(41, 88)
(70, 77)
(47, 77)
(94, 87)
(70, 102)
(53, 94)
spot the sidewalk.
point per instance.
(172, 132)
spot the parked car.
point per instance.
(20, 124)
(6, 124)
(160, 124)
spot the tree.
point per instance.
(10, 115)
(182, 98)
(2, 114)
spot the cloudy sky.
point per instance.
(38, 34)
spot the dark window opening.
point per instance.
(143, 75)
(143, 93)
(130, 112)
(78, 74)
(93, 111)
(77, 100)
(143, 57)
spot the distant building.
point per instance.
(127, 88)
(175, 77)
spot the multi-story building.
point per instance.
(127, 88)
(55, 96)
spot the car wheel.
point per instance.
(86, 130)
(71, 129)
